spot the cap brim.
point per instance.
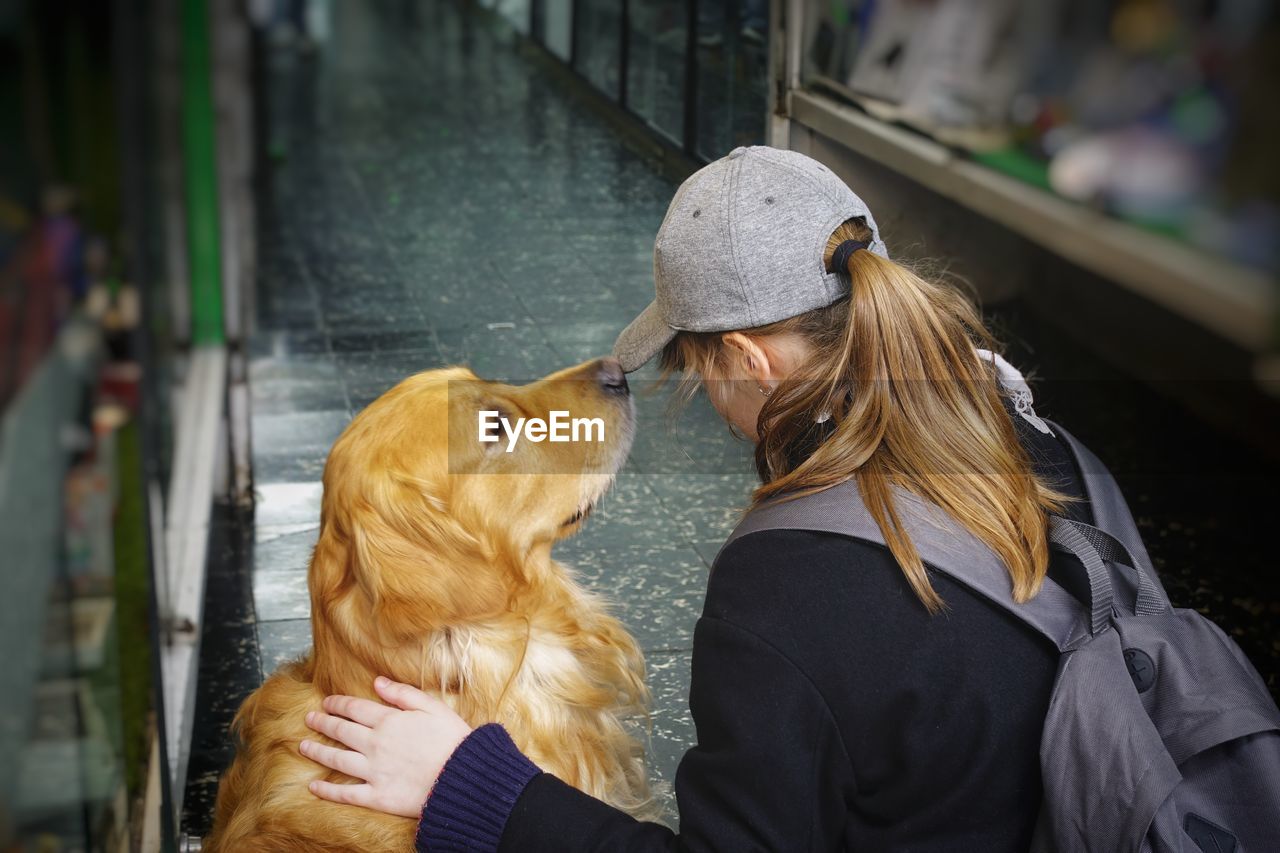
(643, 338)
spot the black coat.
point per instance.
(833, 712)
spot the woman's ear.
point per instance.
(753, 357)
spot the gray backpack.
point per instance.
(1160, 735)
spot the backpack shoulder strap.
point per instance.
(1112, 516)
(942, 543)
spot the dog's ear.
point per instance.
(416, 566)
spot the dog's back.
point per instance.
(263, 802)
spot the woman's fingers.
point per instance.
(355, 795)
(404, 696)
(399, 753)
(363, 711)
(354, 735)
(342, 760)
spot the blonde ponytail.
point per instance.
(894, 395)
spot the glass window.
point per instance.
(733, 73)
(73, 686)
(599, 43)
(515, 11)
(656, 63)
(834, 35)
(557, 27)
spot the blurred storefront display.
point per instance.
(1125, 135)
(111, 190)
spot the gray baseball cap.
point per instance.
(741, 246)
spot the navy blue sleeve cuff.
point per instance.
(468, 808)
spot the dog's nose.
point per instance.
(611, 377)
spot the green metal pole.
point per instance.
(201, 175)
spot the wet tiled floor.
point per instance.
(436, 199)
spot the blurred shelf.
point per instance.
(1235, 302)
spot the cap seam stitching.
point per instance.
(734, 173)
(671, 211)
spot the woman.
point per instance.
(845, 698)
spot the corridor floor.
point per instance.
(434, 198)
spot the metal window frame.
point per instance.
(537, 22)
(687, 143)
(624, 54)
(690, 129)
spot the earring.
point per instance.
(765, 391)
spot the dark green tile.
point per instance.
(673, 731)
(311, 367)
(709, 506)
(283, 641)
(284, 547)
(656, 590)
(302, 433)
(286, 503)
(281, 595)
(285, 395)
(515, 352)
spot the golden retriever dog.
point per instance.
(433, 567)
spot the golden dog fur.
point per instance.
(434, 568)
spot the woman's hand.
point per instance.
(398, 751)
